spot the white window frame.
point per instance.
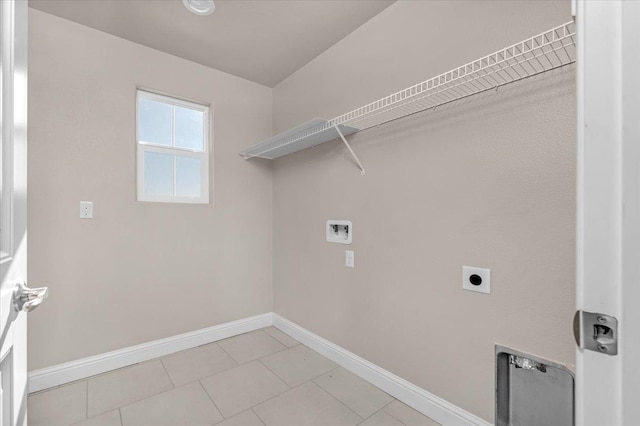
(204, 155)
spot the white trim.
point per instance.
(608, 206)
(630, 294)
(90, 366)
(427, 403)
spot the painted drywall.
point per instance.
(485, 182)
(136, 272)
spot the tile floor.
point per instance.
(260, 378)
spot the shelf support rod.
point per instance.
(353, 154)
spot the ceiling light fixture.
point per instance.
(200, 7)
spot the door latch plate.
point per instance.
(596, 332)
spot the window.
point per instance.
(173, 149)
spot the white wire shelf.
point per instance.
(306, 135)
(544, 52)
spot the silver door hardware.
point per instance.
(596, 332)
(27, 299)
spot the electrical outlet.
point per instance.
(86, 210)
(349, 259)
(476, 279)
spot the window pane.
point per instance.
(189, 128)
(154, 122)
(188, 171)
(158, 173)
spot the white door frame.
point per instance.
(13, 210)
(608, 206)
(630, 296)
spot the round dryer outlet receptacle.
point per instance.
(476, 279)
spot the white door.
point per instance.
(13, 215)
(608, 224)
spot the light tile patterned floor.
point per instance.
(260, 378)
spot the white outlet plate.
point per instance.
(484, 277)
(350, 261)
(86, 210)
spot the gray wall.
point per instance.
(486, 182)
(137, 271)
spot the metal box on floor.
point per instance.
(531, 391)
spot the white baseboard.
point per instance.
(430, 405)
(427, 403)
(90, 366)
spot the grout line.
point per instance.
(232, 358)
(164, 367)
(310, 380)
(395, 416)
(257, 359)
(291, 388)
(262, 402)
(286, 348)
(200, 378)
(289, 347)
(219, 372)
(315, 383)
(100, 374)
(275, 374)
(238, 364)
(256, 414)
(98, 415)
(326, 372)
(277, 352)
(271, 337)
(302, 384)
(140, 399)
(382, 409)
(173, 386)
(260, 360)
(274, 397)
(211, 399)
(323, 374)
(86, 407)
(196, 347)
(388, 404)
(214, 374)
(397, 400)
(330, 371)
(331, 396)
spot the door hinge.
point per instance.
(596, 332)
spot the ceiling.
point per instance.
(263, 41)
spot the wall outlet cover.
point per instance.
(86, 210)
(350, 261)
(476, 279)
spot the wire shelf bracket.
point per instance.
(353, 154)
(552, 49)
